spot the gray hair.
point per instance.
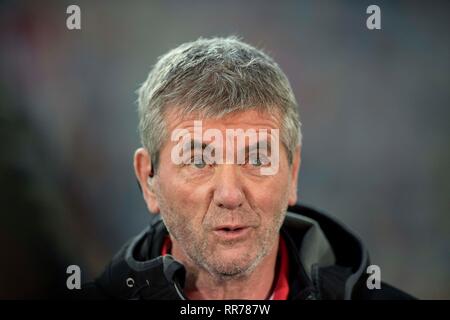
(215, 77)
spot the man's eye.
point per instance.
(199, 163)
(256, 162)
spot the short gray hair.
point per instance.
(215, 77)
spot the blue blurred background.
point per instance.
(374, 107)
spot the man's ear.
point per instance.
(295, 167)
(144, 171)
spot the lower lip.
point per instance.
(232, 235)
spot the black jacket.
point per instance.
(327, 261)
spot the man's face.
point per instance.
(225, 217)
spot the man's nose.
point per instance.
(228, 193)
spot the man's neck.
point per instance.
(202, 285)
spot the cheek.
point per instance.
(273, 193)
(181, 198)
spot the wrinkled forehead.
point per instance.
(250, 118)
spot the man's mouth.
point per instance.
(231, 232)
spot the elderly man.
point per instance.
(218, 171)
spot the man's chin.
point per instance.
(232, 264)
(229, 272)
(236, 254)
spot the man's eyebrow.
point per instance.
(193, 144)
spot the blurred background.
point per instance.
(374, 107)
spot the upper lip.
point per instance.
(230, 227)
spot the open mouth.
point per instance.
(231, 229)
(231, 232)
